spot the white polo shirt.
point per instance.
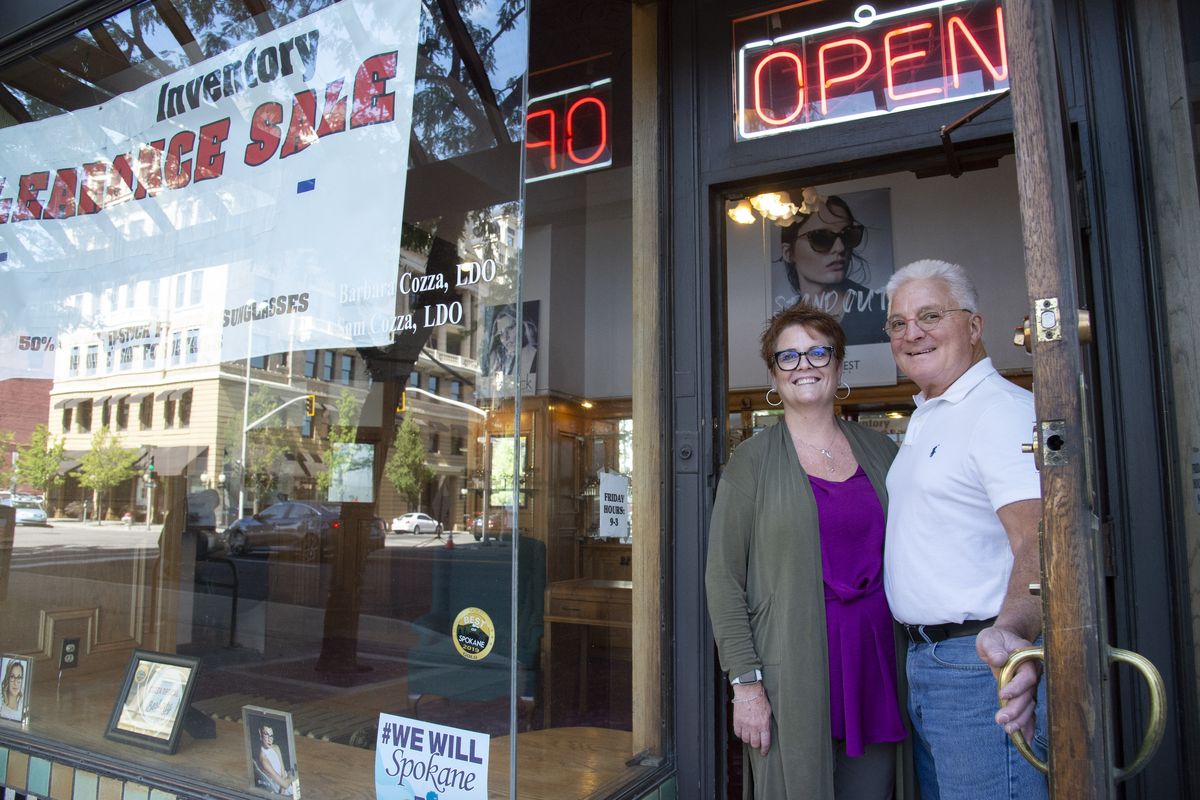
(947, 557)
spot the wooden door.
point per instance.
(1077, 655)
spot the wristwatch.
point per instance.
(753, 676)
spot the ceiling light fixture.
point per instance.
(775, 206)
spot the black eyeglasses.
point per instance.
(926, 321)
(819, 356)
(821, 240)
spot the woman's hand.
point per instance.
(752, 716)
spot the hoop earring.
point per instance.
(776, 391)
(846, 395)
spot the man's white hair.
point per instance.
(961, 287)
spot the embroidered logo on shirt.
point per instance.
(934, 450)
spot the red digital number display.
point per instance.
(871, 64)
(568, 132)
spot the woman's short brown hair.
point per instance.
(806, 316)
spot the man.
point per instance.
(962, 542)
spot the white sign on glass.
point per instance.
(614, 505)
(416, 759)
(245, 205)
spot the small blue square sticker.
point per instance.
(4, 256)
(306, 186)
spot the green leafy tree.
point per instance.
(105, 465)
(339, 456)
(6, 470)
(38, 462)
(406, 466)
(266, 445)
(448, 118)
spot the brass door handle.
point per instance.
(1016, 659)
(1155, 726)
(1023, 336)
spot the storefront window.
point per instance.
(313, 564)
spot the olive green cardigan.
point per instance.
(767, 600)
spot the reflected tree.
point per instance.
(39, 462)
(267, 446)
(106, 465)
(337, 451)
(7, 474)
(449, 116)
(406, 466)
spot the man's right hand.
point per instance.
(752, 716)
(994, 645)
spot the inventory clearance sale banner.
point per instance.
(276, 169)
(416, 760)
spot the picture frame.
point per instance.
(154, 699)
(508, 357)
(276, 773)
(16, 674)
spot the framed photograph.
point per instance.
(509, 356)
(153, 701)
(14, 693)
(271, 751)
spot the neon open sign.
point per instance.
(568, 131)
(874, 63)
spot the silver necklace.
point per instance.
(825, 451)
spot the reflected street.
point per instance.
(115, 535)
(73, 533)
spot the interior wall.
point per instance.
(609, 285)
(579, 266)
(538, 250)
(972, 220)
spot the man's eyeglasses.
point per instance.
(821, 240)
(788, 360)
(926, 321)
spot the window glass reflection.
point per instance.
(328, 449)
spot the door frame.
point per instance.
(1101, 165)
(1146, 613)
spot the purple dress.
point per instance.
(863, 707)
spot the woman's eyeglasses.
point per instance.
(821, 240)
(926, 321)
(788, 360)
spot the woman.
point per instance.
(794, 580)
(12, 699)
(502, 350)
(274, 775)
(819, 258)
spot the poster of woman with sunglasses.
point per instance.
(836, 254)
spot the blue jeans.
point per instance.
(960, 751)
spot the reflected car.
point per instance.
(29, 512)
(499, 525)
(306, 527)
(416, 522)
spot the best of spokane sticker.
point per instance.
(473, 633)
